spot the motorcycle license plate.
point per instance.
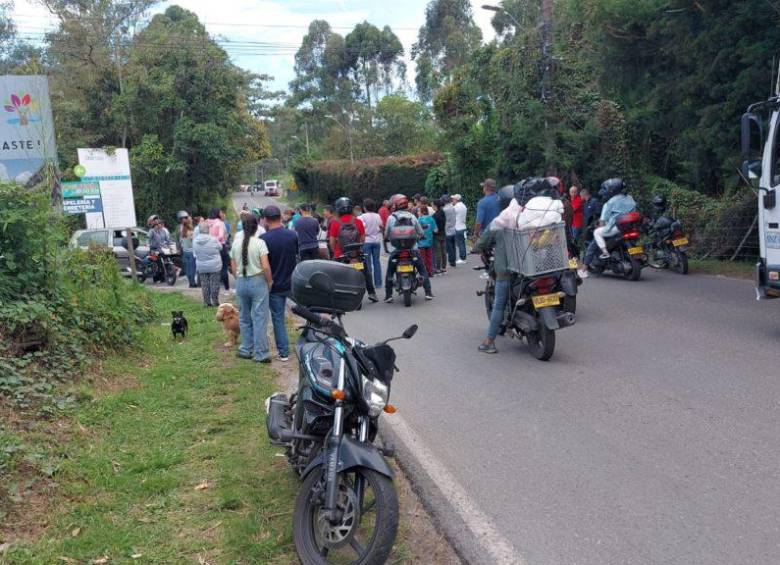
(680, 242)
(545, 300)
(357, 266)
(573, 263)
(405, 268)
(636, 250)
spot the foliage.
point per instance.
(374, 57)
(59, 307)
(376, 178)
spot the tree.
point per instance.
(444, 43)
(403, 126)
(374, 57)
(321, 67)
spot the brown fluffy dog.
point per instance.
(228, 315)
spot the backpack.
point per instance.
(348, 235)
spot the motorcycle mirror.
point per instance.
(410, 331)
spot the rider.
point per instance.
(492, 238)
(400, 204)
(158, 236)
(346, 229)
(619, 203)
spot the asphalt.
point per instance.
(651, 437)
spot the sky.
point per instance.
(279, 22)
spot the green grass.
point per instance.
(168, 461)
(735, 269)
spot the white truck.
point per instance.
(761, 162)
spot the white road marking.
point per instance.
(495, 546)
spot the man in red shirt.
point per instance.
(384, 211)
(578, 207)
(343, 207)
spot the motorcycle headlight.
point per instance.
(375, 395)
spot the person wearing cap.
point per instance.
(488, 207)
(461, 211)
(449, 228)
(308, 230)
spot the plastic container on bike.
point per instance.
(349, 286)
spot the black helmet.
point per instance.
(529, 188)
(612, 187)
(181, 214)
(343, 206)
(659, 203)
(505, 196)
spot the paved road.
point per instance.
(651, 437)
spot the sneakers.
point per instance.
(388, 300)
(284, 358)
(583, 273)
(460, 262)
(266, 361)
(488, 348)
(242, 355)
(373, 298)
(604, 255)
(429, 297)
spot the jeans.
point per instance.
(439, 253)
(451, 249)
(189, 266)
(392, 264)
(372, 252)
(499, 307)
(427, 256)
(252, 294)
(224, 254)
(460, 239)
(277, 302)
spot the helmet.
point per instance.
(181, 214)
(343, 206)
(556, 187)
(257, 212)
(529, 188)
(153, 219)
(659, 203)
(612, 187)
(505, 195)
(399, 201)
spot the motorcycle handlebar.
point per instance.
(308, 315)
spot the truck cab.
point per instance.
(761, 168)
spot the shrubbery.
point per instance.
(59, 307)
(376, 178)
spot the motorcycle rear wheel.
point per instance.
(541, 343)
(407, 298)
(636, 271)
(378, 513)
(681, 262)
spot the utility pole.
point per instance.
(547, 36)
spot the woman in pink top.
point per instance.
(218, 230)
(373, 244)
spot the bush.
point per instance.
(376, 178)
(59, 307)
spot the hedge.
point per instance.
(377, 178)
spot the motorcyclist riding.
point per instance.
(400, 204)
(618, 203)
(346, 235)
(158, 236)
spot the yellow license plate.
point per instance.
(546, 300)
(357, 266)
(636, 250)
(405, 269)
(679, 242)
(573, 264)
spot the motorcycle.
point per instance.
(347, 508)
(538, 304)
(158, 265)
(407, 275)
(667, 245)
(353, 256)
(627, 257)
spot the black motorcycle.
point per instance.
(537, 305)
(347, 508)
(627, 256)
(158, 265)
(407, 275)
(667, 245)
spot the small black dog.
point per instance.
(179, 324)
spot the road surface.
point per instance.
(651, 437)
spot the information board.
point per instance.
(81, 198)
(112, 172)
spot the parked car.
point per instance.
(115, 239)
(272, 187)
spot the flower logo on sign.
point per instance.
(21, 106)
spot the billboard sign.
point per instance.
(111, 170)
(26, 129)
(81, 198)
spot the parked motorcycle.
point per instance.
(540, 303)
(347, 508)
(627, 257)
(159, 267)
(667, 245)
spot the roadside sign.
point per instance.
(111, 170)
(81, 198)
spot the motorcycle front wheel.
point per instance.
(367, 530)
(541, 343)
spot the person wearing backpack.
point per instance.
(401, 216)
(348, 232)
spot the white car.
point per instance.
(272, 187)
(114, 239)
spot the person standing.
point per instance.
(428, 225)
(488, 207)
(250, 265)
(439, 239)
(282, 247)
(384, 211)
(449, 229)
(372, 248)
(461, 211)
(578, 210)
(186, 236)
(218, 229)
(308, 230)
(208, 263)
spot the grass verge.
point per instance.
(734, 269)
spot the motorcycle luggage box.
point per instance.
(403, 237)
(349, 286)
